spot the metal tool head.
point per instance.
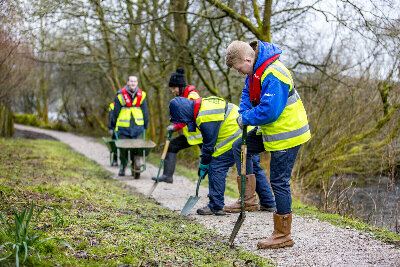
(152, 189)
(236, 228)
(189, 205)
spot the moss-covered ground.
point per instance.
(105, 222)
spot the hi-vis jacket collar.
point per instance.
(127, 99)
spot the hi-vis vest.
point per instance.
(111, 107)
(217, 109)
(291, 128)
(193, 138)
(129, 109)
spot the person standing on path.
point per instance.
(216, 120)
(270, 102)
(130, 117)
(178, 87)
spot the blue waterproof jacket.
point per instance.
(181, 110)
(134, 130)
(274, 93)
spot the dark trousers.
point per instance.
(179, 143)
(281, 166)
(123, 154)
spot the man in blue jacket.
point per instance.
(130, 117)
(270, 102)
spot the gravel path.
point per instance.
(317, 243)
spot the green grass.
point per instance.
(298, 207)
(312, 212)
(106, 223)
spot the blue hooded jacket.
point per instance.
(274, 93)
(181, 110)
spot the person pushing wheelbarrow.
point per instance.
(130, 118)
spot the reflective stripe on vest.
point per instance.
(211, 110)
(193, 138)
(291, 128)
(126, 113)
(286, 135)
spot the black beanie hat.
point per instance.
(177, 78)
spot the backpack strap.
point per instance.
(255, 81)
(187, 91)
(138, 97)
(197, 104)
(125, 95)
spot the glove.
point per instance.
(203, 170)
(171, 128)
(239, 121)
(110, 132)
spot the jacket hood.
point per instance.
(181, 110)
(265, 51)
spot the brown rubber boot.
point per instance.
(250, 199)
(281, 236)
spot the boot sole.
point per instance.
(251, 208)
(275, 246)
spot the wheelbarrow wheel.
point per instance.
(135, 169)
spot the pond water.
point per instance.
(376, 201)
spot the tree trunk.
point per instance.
(181, 30)
(6, 122)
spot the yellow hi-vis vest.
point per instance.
(193, 138)
(126, 113)
(291, 128)
(111, 106)
(213, 109)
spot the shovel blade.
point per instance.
(236, 228)
(189, 205)
(152, 189)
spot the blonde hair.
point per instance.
(238, 51)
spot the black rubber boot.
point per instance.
(115, 160)
(123, 161)
(169, 168)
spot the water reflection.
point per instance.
(374, 200)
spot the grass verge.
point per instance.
(106, 223)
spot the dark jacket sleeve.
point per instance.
(143, 106)
(115, 113)
(209, 131)
(110, 119)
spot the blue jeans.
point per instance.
(263, 188)
(281, 166)
(217, 171)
